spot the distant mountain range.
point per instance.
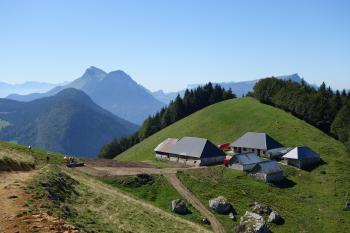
(239, 88)
(116, 92)
(24, 88)
(68, 122)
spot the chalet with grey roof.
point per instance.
(163, 149)
(194, 151)
(256, 142)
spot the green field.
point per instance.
(156, 190)
(314, 201)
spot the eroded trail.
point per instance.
(14, 215)
(12, 198)
(185, 193)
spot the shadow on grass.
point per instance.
(284, 184)
(312, 167)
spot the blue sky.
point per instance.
(168, 44)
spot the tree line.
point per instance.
(192, 101)
(323, 108)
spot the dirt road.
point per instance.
(127, 171)
(185, 193)
(13, 209)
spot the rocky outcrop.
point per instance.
(179, 207)
(221, 205)
(275, 217)
(252, 223)
(261, 208)
(347, 205)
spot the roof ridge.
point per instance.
(266, 139)
(205, 145)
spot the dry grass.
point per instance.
(101, 208)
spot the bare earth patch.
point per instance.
(14, 212)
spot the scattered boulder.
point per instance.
(205, 221)
(232, 216)
(221, 205)
(275, 217)
(347, 205)
(179, 207)
(252, 223)
(261, 208)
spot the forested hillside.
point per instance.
(324, 108)
(68, 122)
(192, 101)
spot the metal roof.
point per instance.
(246, 158)
(268, 167)
(196, 147)
(256, 140)
(301, 152)
(279, 151)
(166, 145)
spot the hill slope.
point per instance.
(68, 122)
(312, 202)
(116, 92)
(228, 120)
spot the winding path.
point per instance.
(193, 200)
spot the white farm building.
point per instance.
(302, 157)
(256, 142)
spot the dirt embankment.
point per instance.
(8, 164)
(15, 213)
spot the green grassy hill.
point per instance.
(313, 204)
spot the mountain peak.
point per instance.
(95, 72)
(120, 75)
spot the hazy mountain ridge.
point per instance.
(239, 88)
(116, 91)
(25, 88)
(68, 122)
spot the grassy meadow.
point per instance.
(155, 190)
(312, 201)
